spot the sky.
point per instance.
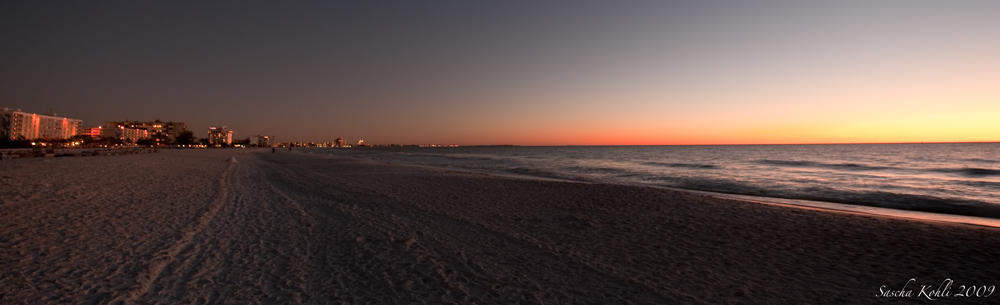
(516, 72)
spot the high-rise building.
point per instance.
(263, 141)
(218, 135)
(130, 134)
(155, 129)
(94, 132)
(15, 124)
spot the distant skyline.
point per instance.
(516, 72)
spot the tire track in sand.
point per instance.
(166, 257)
(301, 258)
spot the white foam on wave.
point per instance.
(863, 209)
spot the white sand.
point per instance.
(192, 226)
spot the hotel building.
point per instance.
(130, 129)
(15, 124)
(218, 135)
(93, 132)
(263, 141)
(126, 133)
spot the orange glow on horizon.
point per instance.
(943, 128)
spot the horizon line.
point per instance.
(713, 144)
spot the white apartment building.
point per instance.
(16, 124)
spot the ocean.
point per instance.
(946, 178)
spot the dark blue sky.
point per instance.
(510, 72)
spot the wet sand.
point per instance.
(191, 226)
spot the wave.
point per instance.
(899, 201)
(599, 170)
(847, 166)
(981, 184)
(971, 172)
(982, 160)
(682, 165)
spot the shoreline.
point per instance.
(788, 202)
(190, 226)
(951, 219)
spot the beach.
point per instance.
(243, 226)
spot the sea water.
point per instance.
(952, 178)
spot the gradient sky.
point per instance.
(516, 72)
